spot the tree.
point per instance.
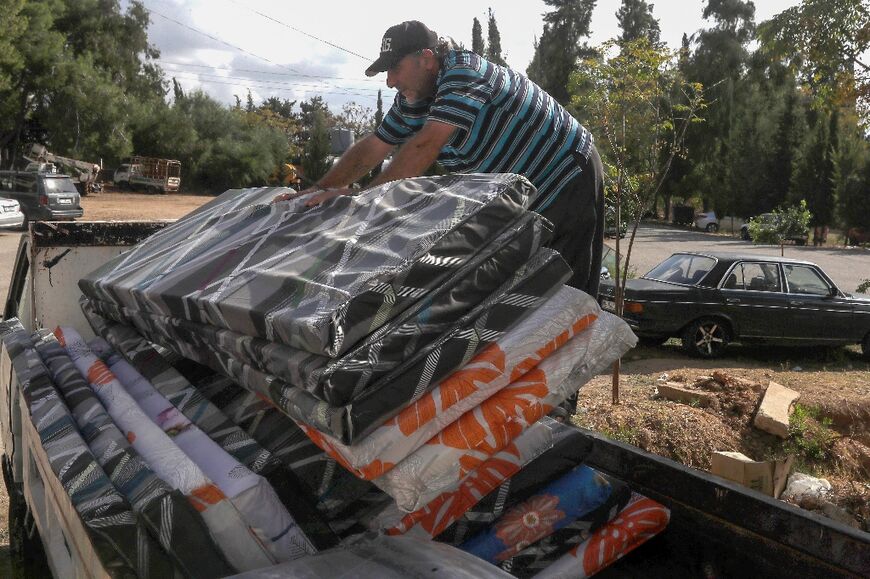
(559, 48)
(86, 72)
(356, 118)
(477, 45)
(636, 20)
(813, 178)
(719, 64)
(826, 42)
(12, 25)
(493, 50)
(852, 178)
(315, 152)
(640, 107)
(787, 222)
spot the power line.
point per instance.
(276, 89)
(257, 82)
(316, 76)
(300, 31)
(216, 39)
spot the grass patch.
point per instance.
(810, 437)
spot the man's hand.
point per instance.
(294, 194)
(325, 195)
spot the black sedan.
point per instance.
(711, 299)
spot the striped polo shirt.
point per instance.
(505, 124)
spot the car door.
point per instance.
(24, 190)
(753, 296)
(814, 313)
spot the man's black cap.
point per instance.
(401, 40)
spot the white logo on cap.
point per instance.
(386, 44)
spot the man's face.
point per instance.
(414, 75)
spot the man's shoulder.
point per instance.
(462, 59)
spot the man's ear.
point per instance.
(429, 57)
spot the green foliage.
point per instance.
(315, 153)
(852, 178)
(493, 50)
(810, 438)
(559, 48)
(863, 287)
(356, 118)
(12, 26)
(639, 106)
(636, 21)
(477, 45)
(826, 42)
(790, 221)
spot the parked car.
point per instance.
(769, 220)
(42, 196)
(711, 299)
(858, 235)
(10, 213)
(707, 221)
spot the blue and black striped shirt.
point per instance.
(505, 124)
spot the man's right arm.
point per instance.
(357, 161)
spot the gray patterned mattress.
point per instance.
(317, 279)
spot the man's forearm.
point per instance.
(417, 154)
(356, 162)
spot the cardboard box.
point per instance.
(768, 476)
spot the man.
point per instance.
(474, 116)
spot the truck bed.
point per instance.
(717, 528)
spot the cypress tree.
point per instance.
(477, 45)
(493, 51)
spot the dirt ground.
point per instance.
(830, 431)
(111, 205)
(833, 442)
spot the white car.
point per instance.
(707, 221)
(10, 213)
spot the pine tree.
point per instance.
(493, 51)
(477, 45)
(559, 47)
(636, 20)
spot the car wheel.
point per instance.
(706, 338)
(744, 234)
(712, 228)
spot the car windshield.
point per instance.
(59, 185)
(682, 268)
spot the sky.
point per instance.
(296, 50)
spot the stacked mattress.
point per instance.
(397, 352)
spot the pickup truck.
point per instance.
(717, 528)
(149, 174)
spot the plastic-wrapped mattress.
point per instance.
(315, 279)
(529, 286)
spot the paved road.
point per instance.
(846, 266)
